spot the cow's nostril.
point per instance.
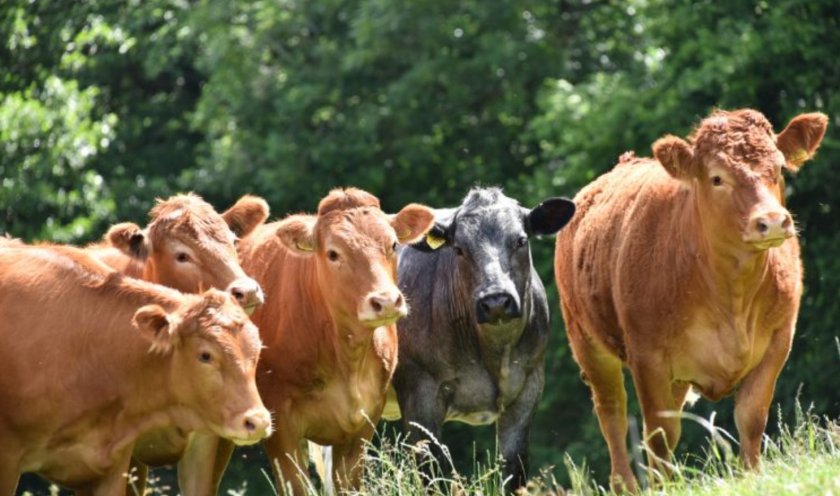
(399, 300)
(249, 425)
(787, 222)
(377, 307)
(761, 226)
(238, 294)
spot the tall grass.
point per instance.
(802, 459)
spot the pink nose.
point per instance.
(256, 423)
(772, 225)
(387, 303)
(247, 292)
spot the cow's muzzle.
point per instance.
(497, 308)
(769, 229)
(247, 293)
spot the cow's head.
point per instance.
(354, 243)
(489, 235)
(190, 247)
(734, 163)
(213, 348)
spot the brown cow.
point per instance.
(188, 246)
(686, 269)
(80, 382)
(331, 342)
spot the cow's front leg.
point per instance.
(512, 430)
(202, 464)
(114, 482)
(9, 471)
(347, 461)
(287, 456)
(659, 409)
(423, 413)
(752, 402)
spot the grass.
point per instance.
(803, 459)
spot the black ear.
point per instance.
(549, 216)
(439, 235)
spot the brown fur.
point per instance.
(79, 383)
(324, 373)
(660, 271)
(183, 224)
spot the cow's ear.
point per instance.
(297, 233)
(129, 239)
(801, 138)
(439, 234)
(248, 213)
(549, 216)
(676, 155)
(159, 327)
(412, 222)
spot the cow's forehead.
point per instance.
(737, 139)
(193, 230)
(494, 221)
(357, 227)
(226, 324)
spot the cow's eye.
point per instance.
(458, 250)
(332, 255)
(394, 247)
(717, 180)
(521, 241)
(182, 257)
(205, 357)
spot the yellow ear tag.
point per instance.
(799, 157)
(304, 246)
(434, 242)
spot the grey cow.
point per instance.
(472, 347)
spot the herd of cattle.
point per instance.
(173, 343)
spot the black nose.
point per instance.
(497, 307)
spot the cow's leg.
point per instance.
(347, 461)
(288, 461)
(659, 408)
(752, 402)
(679, 390)
(9, 472)
(513, 427)
(423, 414)
(113, 482)
(603, 373)
(137, 478)
(197, 468)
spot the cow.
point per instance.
(328, 327)
(473, 348)
(92, 358)
(190, 247)
(187, 246)
(686, 269)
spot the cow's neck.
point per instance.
(354, 341)
(146, 401)
(730, 274)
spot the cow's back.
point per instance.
(57, 313)
(606, 257)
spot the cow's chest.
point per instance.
(715, 354)
(477, 394)
(343, 405)
(74, 460)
